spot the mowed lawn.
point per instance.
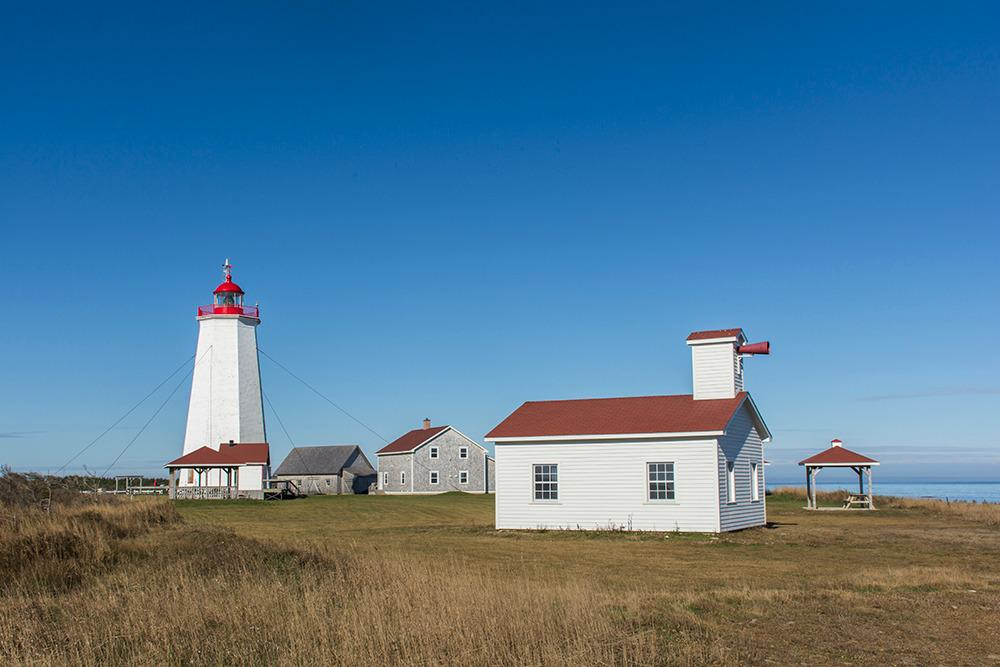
(900, 586)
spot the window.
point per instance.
(463, 476)
(754, 482)
(546, 481)
(385, 479)
(434, 477)
(730, 482)
(463, 452)
(434, 452)
(660, 479)
(402, 477)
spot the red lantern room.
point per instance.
(228, 299)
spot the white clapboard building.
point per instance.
(689, 462)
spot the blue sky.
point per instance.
(445, 210)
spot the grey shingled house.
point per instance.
(435, 459)
(327, 470)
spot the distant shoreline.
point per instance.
(980, 492)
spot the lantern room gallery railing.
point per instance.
(245, 311)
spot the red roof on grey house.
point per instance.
(237, 454)
(837, 455)
(610, 416)
(409, 441)
(715, 333)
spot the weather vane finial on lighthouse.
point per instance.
(227, 268)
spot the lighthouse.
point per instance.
(225, 405)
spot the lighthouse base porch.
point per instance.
(233, 471)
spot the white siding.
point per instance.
(251, 478)
(603, 485)
(742, 445)
(713, 367)
(225, 402)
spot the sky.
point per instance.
(445, 210)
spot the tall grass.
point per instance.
(985, 513)
(128, 582)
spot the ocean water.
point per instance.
(983, 492)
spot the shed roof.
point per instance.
(412, 439)
(325, 460)
(715, 333)
(838, 456)
(242, 453)
(620, 416)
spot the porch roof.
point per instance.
(227, 456)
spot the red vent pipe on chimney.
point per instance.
(755, 348)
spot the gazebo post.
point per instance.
(808, 488)
(871, 492)
(812, 470)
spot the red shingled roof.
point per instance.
(610, 416)
(237, 454)
(411, 440)
(716, 333)
(837, 456)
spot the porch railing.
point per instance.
(245, 311)
(205, 492)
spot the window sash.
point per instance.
(660, 483)
(433, 477)
(730, 481)
(463, 453)
(545, 480)
(434, 452)
(463, 476)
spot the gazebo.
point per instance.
(838, 456)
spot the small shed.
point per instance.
(838, 456)
(327, 470)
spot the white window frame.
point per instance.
(539, 472)
(433, 451)
(433, 477)
(385, 479)
(463, 452)
(730, 482)
(402, 477)
(463, 476)
(754, 482)
(669, 481)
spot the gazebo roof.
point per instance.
(838, 456)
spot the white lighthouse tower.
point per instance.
(225, 401)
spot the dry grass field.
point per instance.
(427, 581)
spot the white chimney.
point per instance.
(716, 365)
